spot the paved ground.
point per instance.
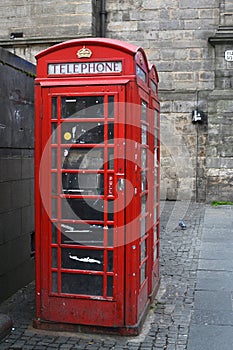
(193, 308)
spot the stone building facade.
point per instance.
(187, 41)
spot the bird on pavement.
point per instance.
(182, 225)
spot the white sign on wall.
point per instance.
(229, 55)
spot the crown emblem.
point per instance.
(84, 52)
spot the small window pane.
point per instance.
(143, 157)
(54, 107)
(83, 209)
(144, 111)
(109, 286)
(110, 261)
(111, 158)
(54, 257)
(82, 133)
(143, 273)
(143, 250)
(54, 158)
(83, 158)
(110, 106)
(54, 233)
(54, 208)
(82, 259)
(54, 183)
(54, 133)
(83, 184)
(54, 282)
(82, 107)
(82, 284)
(144, 134)
(82, 234)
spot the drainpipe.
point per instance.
(102, 19)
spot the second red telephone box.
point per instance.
(97, 186)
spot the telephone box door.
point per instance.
(81, 175)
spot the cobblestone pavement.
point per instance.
(167, 324)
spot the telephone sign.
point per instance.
(85, 68)
(96, 186)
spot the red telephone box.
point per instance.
(96, 186)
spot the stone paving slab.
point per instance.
(215, 280)
(213, 300)
(211, 326)
(216, 265)
(213, 317)
(211, 337)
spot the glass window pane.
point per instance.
(54, 107)
(110, 210)
(143, 226)
(82, 284)
(155, 233)
(111, 158)
(143, 157)
(83, 209)
(110, 106)
(110, 261)
(54, 257)
(143, 273)
(144, 111)
(156, 114)
(83, 158)
(54, 233)
(82, 259)
(143, 181)
(82, 107)
(110, 132)
(54, 282)
(110, 236)
(54, 158)
(143, 205)
(54, 183)
(143, 250)
(82, 133)
(153, 86)
(83, 184)
(144, 134)
(82, 234)
(109, 286)
(54, 208)
(155, 214)
(155, 252)
(54, 133)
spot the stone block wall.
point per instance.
(45, 23)
(16, 173)
(175, 35)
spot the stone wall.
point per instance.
(175, 35)
(28, 27)
(220, 147)
(16, 173)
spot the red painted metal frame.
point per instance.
(125, 311)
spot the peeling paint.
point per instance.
(87, 259)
